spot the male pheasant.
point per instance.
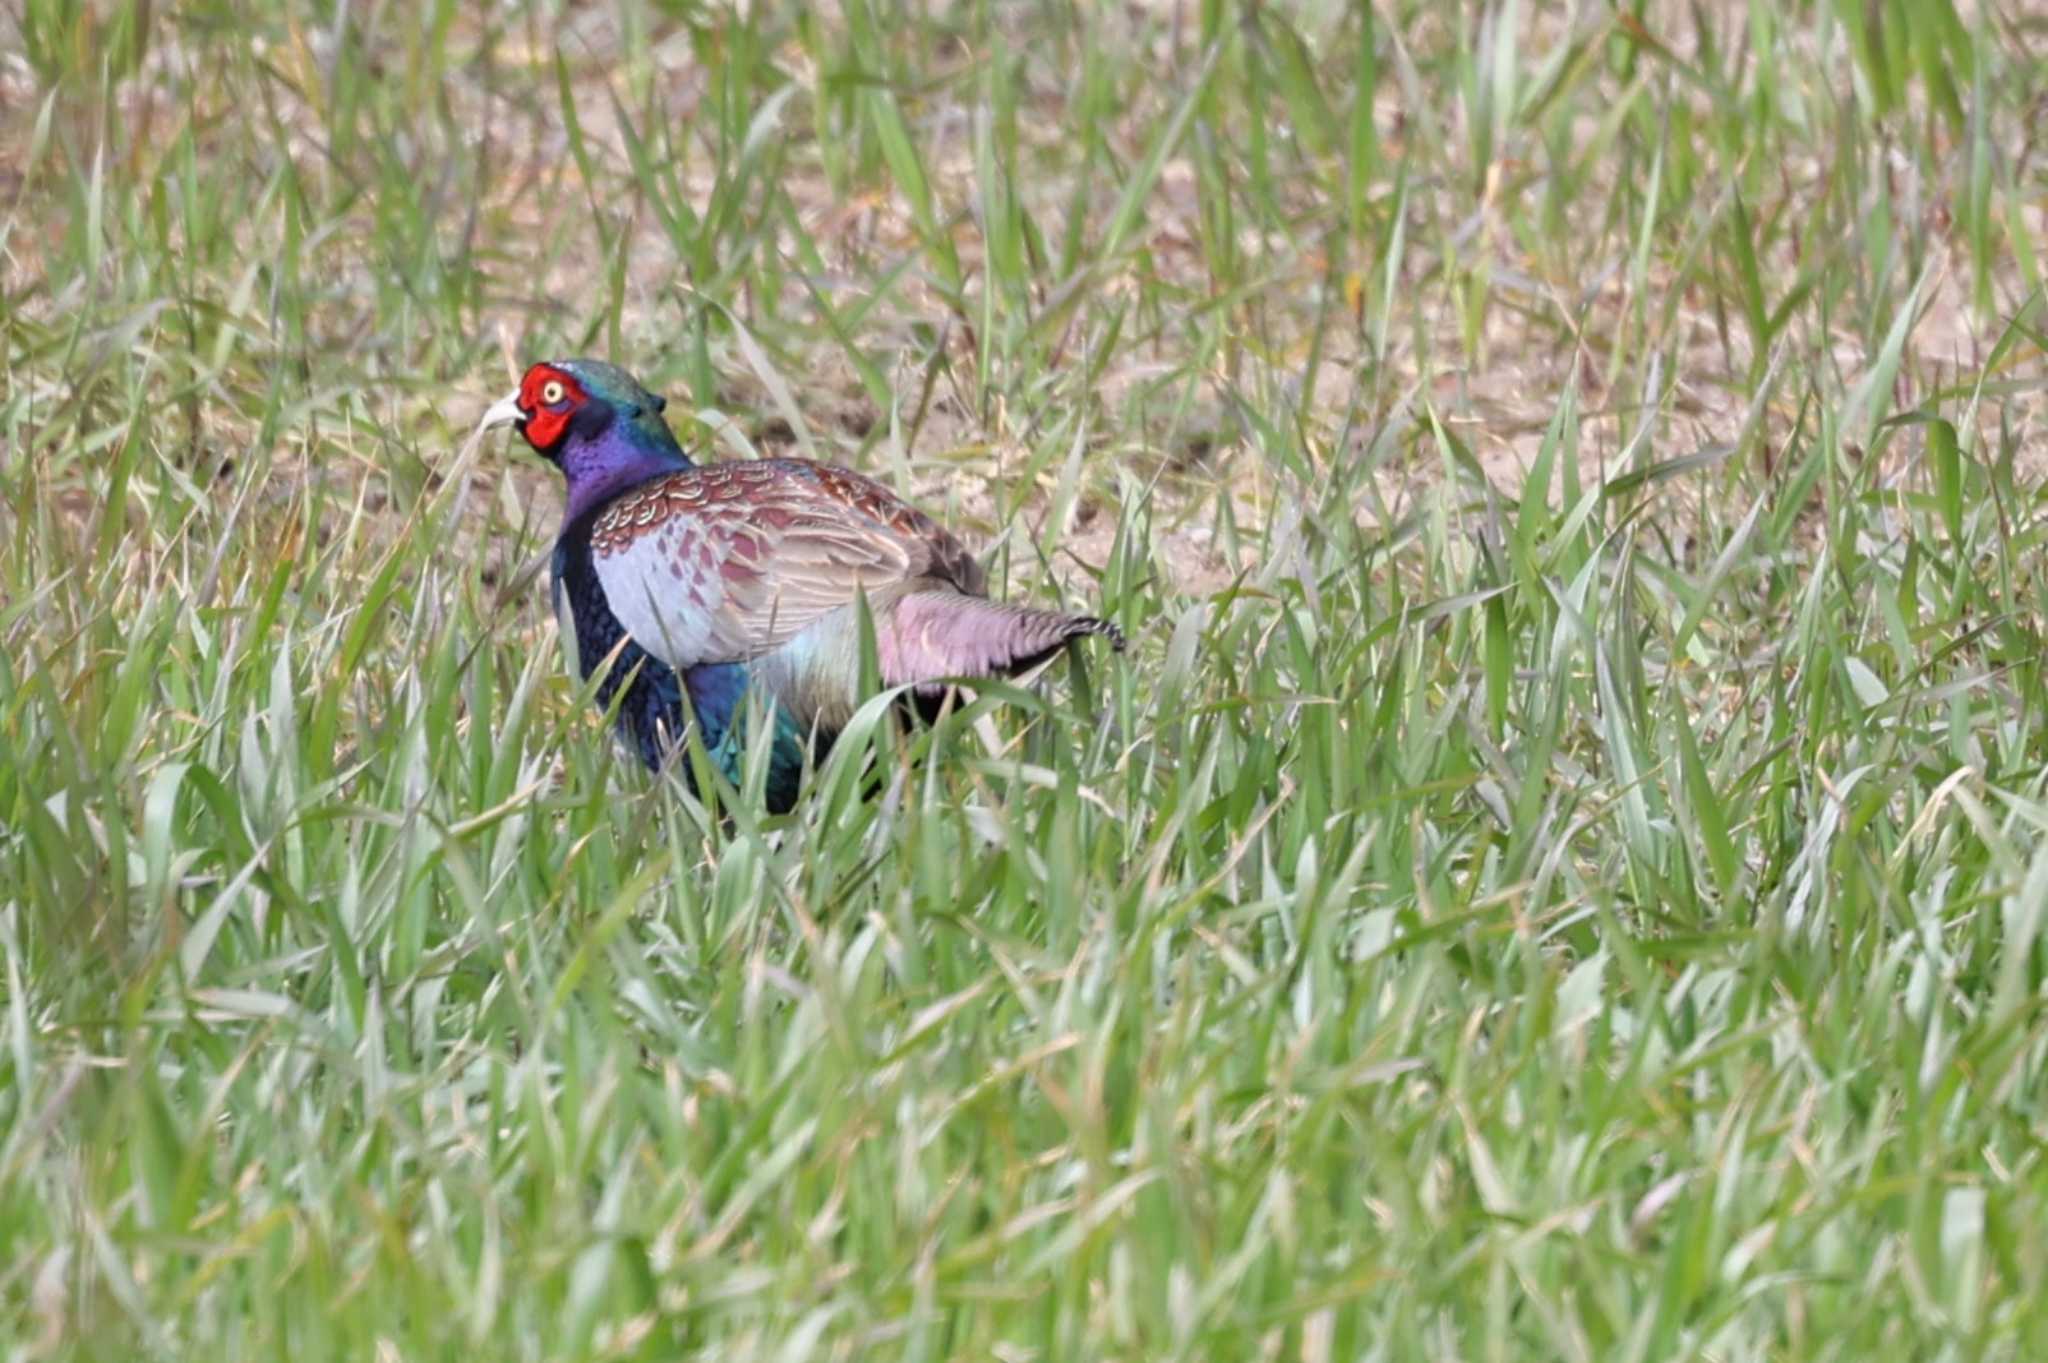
(720, 580)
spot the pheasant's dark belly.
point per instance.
(651, 714)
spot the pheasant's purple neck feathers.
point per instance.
(613, 460)
(610, 435)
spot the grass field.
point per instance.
(1562, 872)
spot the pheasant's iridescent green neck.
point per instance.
(617, 441)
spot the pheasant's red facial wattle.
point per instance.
(550, 397)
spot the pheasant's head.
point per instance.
(592, 421)
(561, 402)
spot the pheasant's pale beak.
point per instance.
(504, 412)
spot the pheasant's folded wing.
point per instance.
(730, 561)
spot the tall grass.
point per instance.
(1560, 874)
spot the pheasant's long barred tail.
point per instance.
(1095, 625)
(947, 634)
(1059, 630)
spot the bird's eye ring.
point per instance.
(552, 392)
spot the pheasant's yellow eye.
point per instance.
(552, 392)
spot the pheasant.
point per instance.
(713, 582)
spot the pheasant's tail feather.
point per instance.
(1081, 626)
(945, 634)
